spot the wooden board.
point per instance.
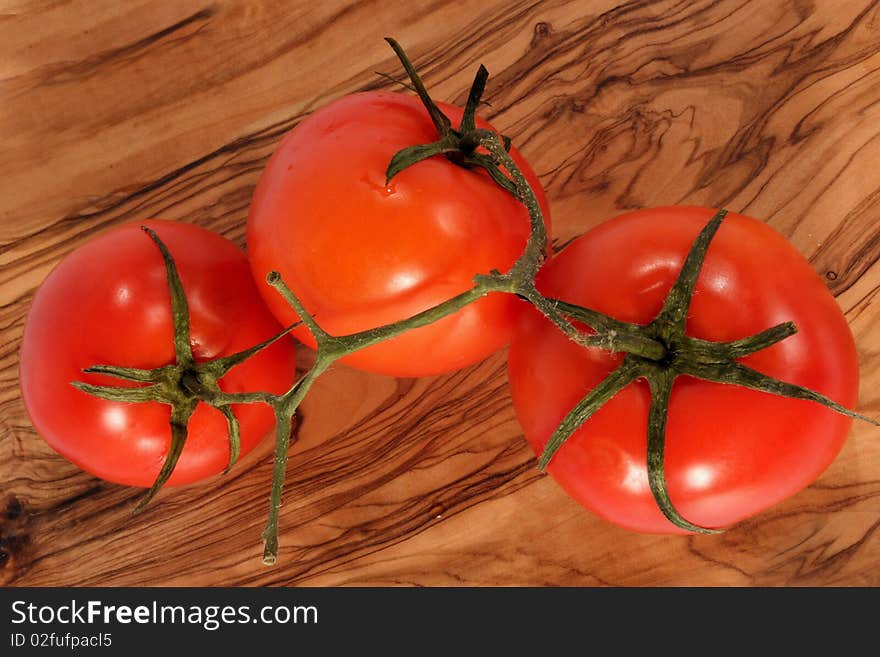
(116, 111)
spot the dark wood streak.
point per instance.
(861, 229)
(79, 71)
(767, 108)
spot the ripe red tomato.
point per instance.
(108, 303)
(360, 253)
(730, 452)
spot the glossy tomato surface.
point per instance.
(108, 303)
(730, 452)
(360, 253)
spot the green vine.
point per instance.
(657, 352)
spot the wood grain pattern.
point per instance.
(113, 111)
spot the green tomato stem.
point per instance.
(660, 382)
(284, 408)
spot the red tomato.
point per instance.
(360, 253)
(730, 452)
(108, 303)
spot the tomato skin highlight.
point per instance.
(108, 303)
(360, 253)
(730, 452)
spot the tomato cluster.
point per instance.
(360, 251)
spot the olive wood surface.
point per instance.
(119, 111)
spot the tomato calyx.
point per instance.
(460, 146)
(659, 352)
(181, 385)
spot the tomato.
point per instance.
(108, 303)
(730, 452)
(360, 253)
